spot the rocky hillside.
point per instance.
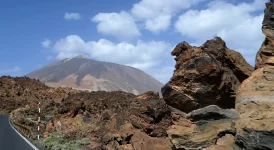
(86, 74)
(21, 91)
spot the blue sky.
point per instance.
(139, 33)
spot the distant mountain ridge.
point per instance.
(86, 74)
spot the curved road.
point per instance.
(10, 139)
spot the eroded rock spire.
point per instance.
(266, 52)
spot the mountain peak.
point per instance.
(82, 73)
(81, 56)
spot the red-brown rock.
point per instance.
(142, 141)
(206, 75)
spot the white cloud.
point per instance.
(46, 43)
(143, 55)
(121, 25)
(72, 16)
(157, 14)
(11, 71)
(236, 24)
(158, 23)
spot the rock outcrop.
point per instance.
(267, 49)
(206, 75)
(255, 98)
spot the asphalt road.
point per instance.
(10, 139)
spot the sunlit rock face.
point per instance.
(255, 106)
(255, 97)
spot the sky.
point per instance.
(137, 33)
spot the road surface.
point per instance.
(10, 139)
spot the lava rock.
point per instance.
(206, 75)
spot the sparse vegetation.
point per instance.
(59, 142)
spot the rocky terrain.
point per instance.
(22, 91)
(214, 101)
(85, 74)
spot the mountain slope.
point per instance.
(83, 73)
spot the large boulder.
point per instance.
(209, 127)
(206, 75)
(267, 48)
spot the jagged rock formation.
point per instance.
(267, 48)
(206, 75)
(254, 101)
(85, 74)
